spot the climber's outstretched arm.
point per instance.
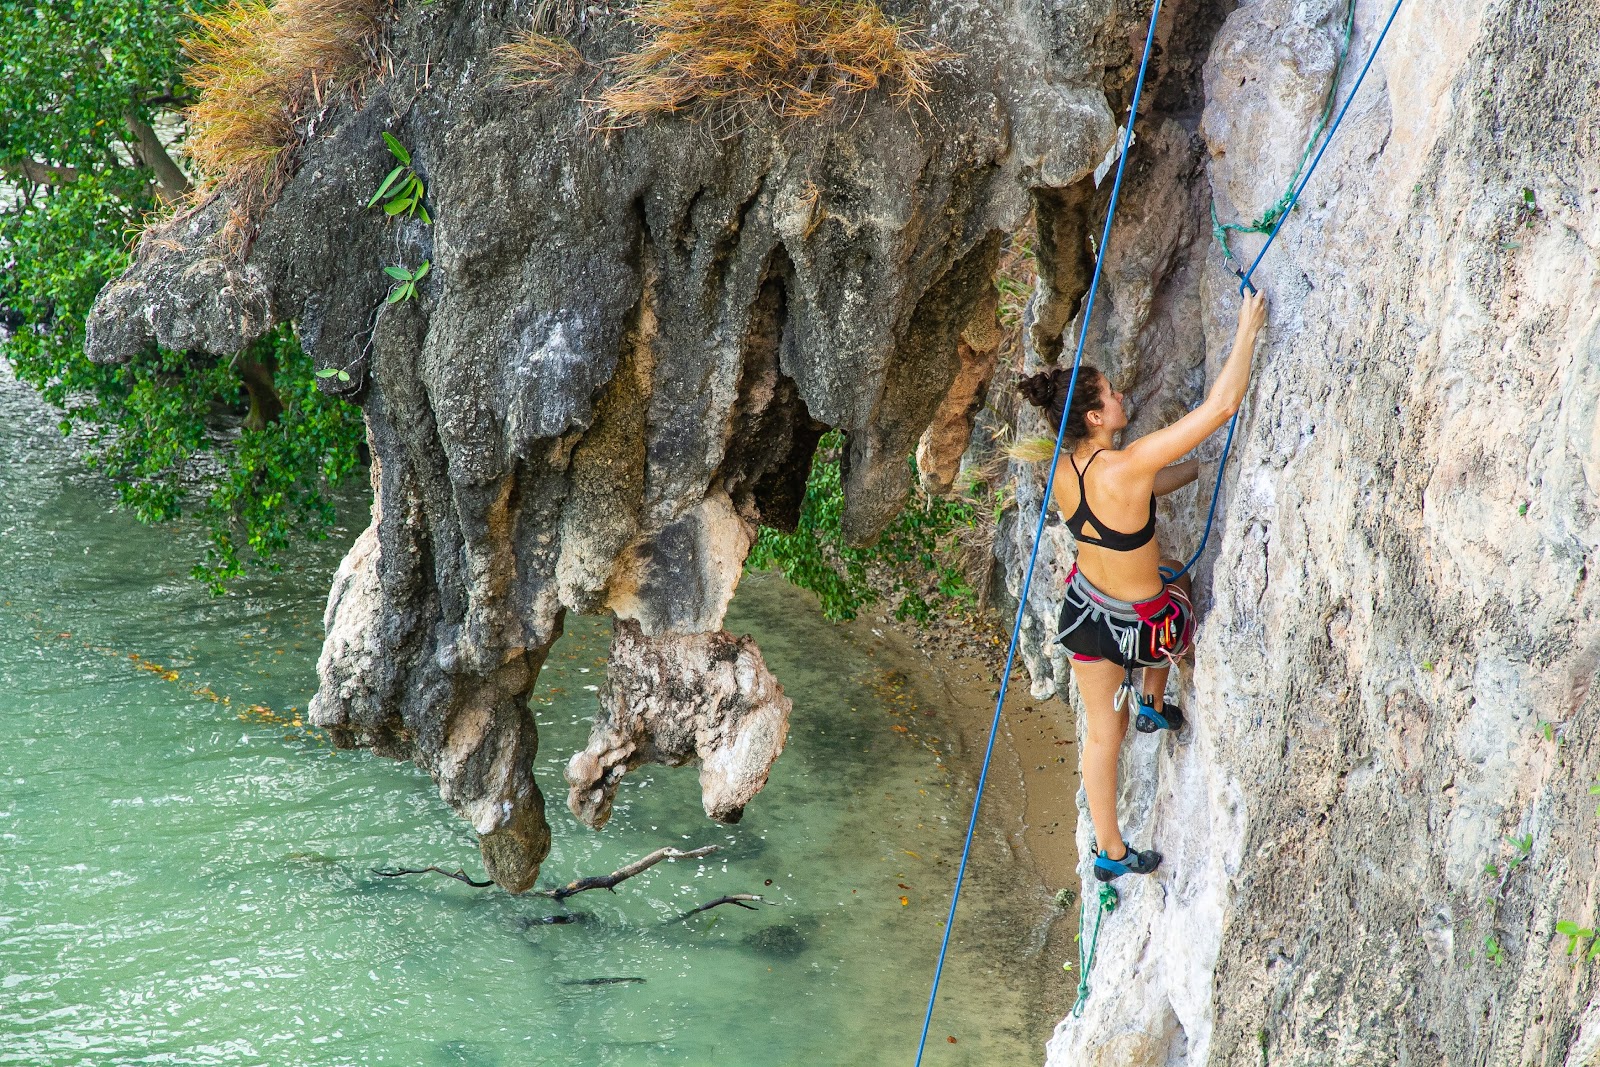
(1170, 479)
(1154, 451)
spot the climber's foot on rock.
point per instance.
(1149, 720)
(1130, 862)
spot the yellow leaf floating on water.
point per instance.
(904, 901)
(913, 855)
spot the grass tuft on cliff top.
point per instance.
(795, 59)
(534, 60)
(259, 68)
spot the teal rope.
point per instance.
(1279, 207)
(1245, 276)
(1108, 904)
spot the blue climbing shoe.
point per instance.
(1106, 868)
(1149, 720)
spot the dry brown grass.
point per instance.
(535, 60)
(792, 58)
(259, 68)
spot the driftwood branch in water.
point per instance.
(610, 881)
(458, 874)
(604, 881)
(737, 899)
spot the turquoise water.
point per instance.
(185, 872)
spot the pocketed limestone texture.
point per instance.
(704, 698)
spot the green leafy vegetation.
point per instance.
(244, 443)
(401, 190)
(1576, 935)
(917, 564)
(408, 279)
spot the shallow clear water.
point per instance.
(184, 872)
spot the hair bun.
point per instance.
(1040, 389)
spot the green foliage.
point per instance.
(1576, 934)
(407, 289)
(69, 69)
(914, 561)
(163, 428)
(276, 479)
(1493, 952)
(401, 190)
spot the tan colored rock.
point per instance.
(672, 699)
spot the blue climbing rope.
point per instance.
(1044, 514)
(1244, 283)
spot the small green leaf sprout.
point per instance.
(1574, 934)
(1594, 791)
(401, 190)
(1493, 952)
(334, 372)
(407, 279)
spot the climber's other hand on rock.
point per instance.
(1252, 315)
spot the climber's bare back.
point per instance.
(1119, 495)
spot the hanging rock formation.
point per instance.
(619, 365)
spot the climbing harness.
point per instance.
(1148, 633)
(1244, 276)
(1108, 903)
(1038, 533)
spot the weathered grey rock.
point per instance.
(676, 699)
(626, 349)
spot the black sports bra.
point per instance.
(1109, 538)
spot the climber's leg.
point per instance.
(1098, 681)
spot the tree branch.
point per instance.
(609, 881)
(167, 100)
(458, 874)
(41, 173)
(605, 881)
(172, 182)
(737, 899)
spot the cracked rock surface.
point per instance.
(1401, 588)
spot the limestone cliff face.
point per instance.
(1400, 593)
(619, 366)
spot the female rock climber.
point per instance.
(1119, 613)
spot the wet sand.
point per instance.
(1011, 937)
